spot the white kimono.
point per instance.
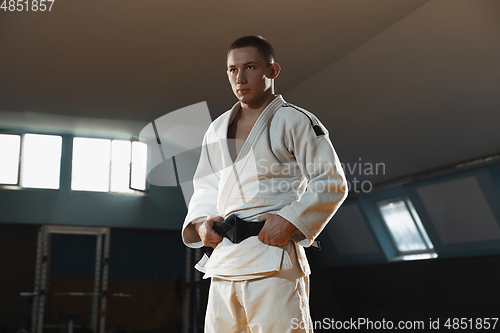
(283, 168)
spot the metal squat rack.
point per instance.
(41, 273)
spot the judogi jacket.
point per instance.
(284, 168)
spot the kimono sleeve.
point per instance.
(326, 184)
(204, 200)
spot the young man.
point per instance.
(264, 161)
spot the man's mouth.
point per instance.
(243, 91)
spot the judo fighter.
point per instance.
(267, 182)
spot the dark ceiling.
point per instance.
(413, 84)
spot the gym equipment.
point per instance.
(41, 272)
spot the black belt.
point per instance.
(236, 229)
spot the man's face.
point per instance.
(250, 76)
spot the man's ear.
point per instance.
(275, 70)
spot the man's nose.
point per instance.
(240, 77)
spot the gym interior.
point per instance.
(409, 91)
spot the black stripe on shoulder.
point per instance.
(317, 129)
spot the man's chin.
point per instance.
(245, 99)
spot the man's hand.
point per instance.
(276, 230)
(204, 228)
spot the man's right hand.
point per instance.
(204, 228)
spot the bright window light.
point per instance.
(139, 164)
(91, 164)
(120, 166)
(405, 228)
(9, 158)
(104, 165)
(421, 256)
(41, 161)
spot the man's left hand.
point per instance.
(276, 230)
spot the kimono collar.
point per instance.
(276, 103)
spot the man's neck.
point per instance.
(256, 109)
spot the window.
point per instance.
(91, 160)
(41, 161)
(120, 166)
(139, 166)
(406, 229)
(108, 165)
(10, 148)
(40, 164)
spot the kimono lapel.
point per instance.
(246, 150)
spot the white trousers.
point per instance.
(265, 305)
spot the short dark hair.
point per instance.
(265, 49)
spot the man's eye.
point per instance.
(232, 70)
(250, 67)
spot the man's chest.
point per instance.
(237, 133)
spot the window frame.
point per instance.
(146, 184)
(22, 136)
(405, 255)
(21, 142)
(134, 191)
